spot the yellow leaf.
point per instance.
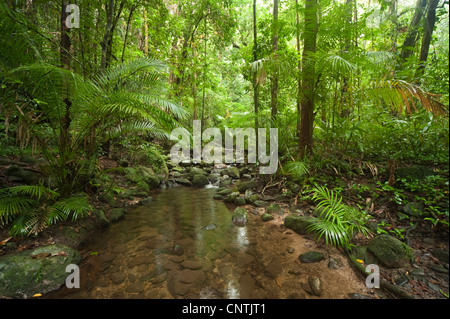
(360, 261)
(37, 295)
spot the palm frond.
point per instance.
(402, 96)
(11, 206)
(77, 205)
(297, 169)
(36, 191)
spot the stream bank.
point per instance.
(267, 209)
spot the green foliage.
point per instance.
(27, 210)
(337, 222)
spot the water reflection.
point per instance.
(181, 245)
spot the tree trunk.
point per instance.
(274, 88)
(308, 79)
(109, 19)
(413, 32)
(65, 38)
(299, 85)
(430, 21)
(255, 58)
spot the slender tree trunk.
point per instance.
(430, 21)
(413, 33)
(109, 21)
(308, 79)
(65, 38)
(274, 88)
(255, 58)
(145, 32)
(126, 31)
(64, 132)
(204, 79)
(299, 71)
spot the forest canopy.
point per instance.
(351, 85)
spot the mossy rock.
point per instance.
(239, 200)
(41, 270)
(117, 214)
(195, 171)
(266, 217)
(101, 218)
(299, 224)
(224, 191)
(19, 174)
(200, 180)
(243, 186)
(240, 217)
(231, 197)
(232, 172)
(390, 251)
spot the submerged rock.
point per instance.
(316, 285)
(311, 257)
(209, 227)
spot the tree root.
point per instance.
(400, 293)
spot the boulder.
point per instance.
(195, 171)
(239, 200)
(101, 218)
(266, 217)
(413, 209)
(299, 224)
(19, 174)
(117, 214)
(243, 186)
(311, 257)
(200, 180)
(390, 251)
(232, 171)
(41, 270)
(240, 216)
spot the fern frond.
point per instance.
(297, 169)
(10, 206)
(35, 191)
(77, 205)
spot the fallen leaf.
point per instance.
(278, 281)
(37, 295)
(4, 241)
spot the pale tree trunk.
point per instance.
(255, 58)
(274, 88)
(308, 79)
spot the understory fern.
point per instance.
(29, 209)
(337, 223)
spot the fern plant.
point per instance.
(297, 169)
(29, 209)
(337, 222)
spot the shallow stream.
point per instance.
(184, 245)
